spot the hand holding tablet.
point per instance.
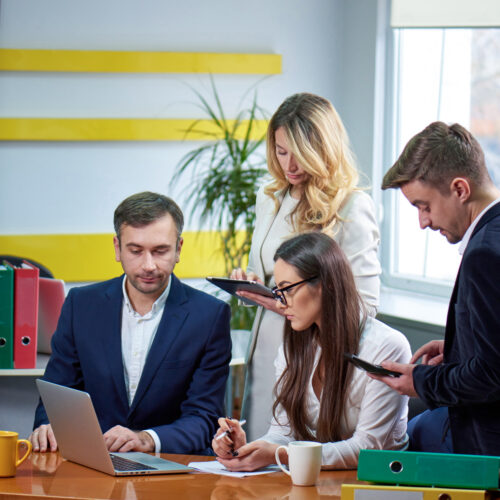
(233, 286)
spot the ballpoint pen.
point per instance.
(225, 433)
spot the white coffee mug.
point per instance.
(304, 461)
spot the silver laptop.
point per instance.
(79, 437)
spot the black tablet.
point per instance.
(232, 286)
(369, 367)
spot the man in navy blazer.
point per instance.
(442, 173)
(152, 352)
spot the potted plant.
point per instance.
(226, 171)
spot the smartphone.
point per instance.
(369, 367)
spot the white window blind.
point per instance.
(445, 13)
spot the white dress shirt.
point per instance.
(470, 229)
(138, 333)
(375, 416)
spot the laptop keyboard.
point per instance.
(124, 464)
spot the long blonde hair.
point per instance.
(318, 140)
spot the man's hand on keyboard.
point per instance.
(121, 439)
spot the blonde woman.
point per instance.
(314, 188)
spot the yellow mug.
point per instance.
(9, 452)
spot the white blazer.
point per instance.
(358, 236)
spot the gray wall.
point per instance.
(67, 187)
(329, 47)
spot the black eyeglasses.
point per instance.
(279, 293)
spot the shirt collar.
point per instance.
(158, 304)
(470, 229)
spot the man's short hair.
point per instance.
(436, 156)
(144, 208)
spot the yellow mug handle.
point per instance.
(19, 461)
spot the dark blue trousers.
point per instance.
(430, 431)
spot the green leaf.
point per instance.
(226, 172)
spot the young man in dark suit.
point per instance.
(152, 352)
(442, 173)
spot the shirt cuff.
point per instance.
(156, 439)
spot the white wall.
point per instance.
(363, 44)
(74, 187)
(328, 48)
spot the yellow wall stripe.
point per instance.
(138, 62)
(90, 257)
(114, 129)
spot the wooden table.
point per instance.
(47, 475)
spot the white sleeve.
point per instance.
(381, 421)
(359, 238)
(259, 205)
(156, 439)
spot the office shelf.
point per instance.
(41, 363)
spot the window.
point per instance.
(452, 75)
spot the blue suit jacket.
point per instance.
(468, 381)
(181, 390)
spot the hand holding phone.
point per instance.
(369, 367)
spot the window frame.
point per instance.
(389, 198)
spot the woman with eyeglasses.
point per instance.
(313, 188)
(319, 395)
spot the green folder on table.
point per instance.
(6, 317)
(429, 469)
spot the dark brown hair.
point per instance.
(342, 321)
(437, 155)
(142, 209)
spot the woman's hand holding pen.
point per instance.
(267, 302)
(233, 452)
(234, 438)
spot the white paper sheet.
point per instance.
(215, 467)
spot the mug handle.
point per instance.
(19, 461)
(277, 456)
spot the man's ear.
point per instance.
(116, 243)
(178, 251)
(460, 187)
